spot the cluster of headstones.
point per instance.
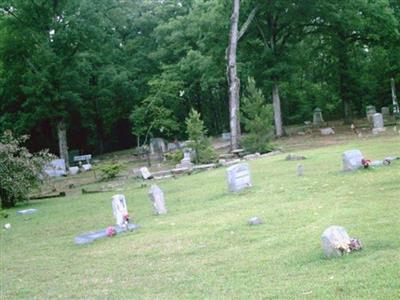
(57, 167)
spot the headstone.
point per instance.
(56, 168)
(352, 160)
(370, 111)
(255, 221)
(317, 117)
(327, 131)
(186, 161)
(300, 170)
(85, 158)
(294, 157)
(27, 211)
(385, 111)
(171, 147)
(226, 136)
(120, 210)
(335, 241)
(86, 167)
(73, 170)
(145, 173)
(157, 145)
(157, 198)
(238, 177)
(378, 123)
(95, 235)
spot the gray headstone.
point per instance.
(300, 170)
(95, 235)
(317, 117)
(157, 145)
(370, 111)
(120, 209)
(86, 167)
(255, 221)
(385, 111)
(157, 198)
(378, 121)
(335, 241)
(352, 160)
(172, 147)
(238, 177)
(27, 211)
(327, 131)
(186, 161)
(56, 168)
(226, 136)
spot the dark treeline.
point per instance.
(114, 73)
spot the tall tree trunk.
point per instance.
(394, 97)
(233, 80)
(344, 77)
(62, 142)
(276, 102)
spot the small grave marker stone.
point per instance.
(120, 210)
(385, 111)
(56, 168)
(145, 173)
(157, 198)
(352, 160)
(336, 242)
(370, 111)
(317, 117)
(238, 177)
(300, 170)
(377, 120)
(255, 221)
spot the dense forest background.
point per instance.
(111, 71)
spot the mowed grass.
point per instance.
(203, 248)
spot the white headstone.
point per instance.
(327, 131)
(335, 241)
(238, 177)
(186, 161)
(120, 209)
(157, 145)
(157, 198)
(56, 168)
(145, 173)
(73, 170)
(352, 160)
(86, 167)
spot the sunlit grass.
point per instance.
(203, 247)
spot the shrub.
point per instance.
(175, 156)
(257, 117)
(109, 171)
(198, 139)
(19, 169)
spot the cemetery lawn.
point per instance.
(203, 248)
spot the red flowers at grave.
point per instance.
(111, 231)
(126, 218)
(365, 163)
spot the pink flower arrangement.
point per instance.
(111, 231)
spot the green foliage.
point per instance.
(19, 169)
(257, 117)
(198, 139)
(175, 157)
(109, 171)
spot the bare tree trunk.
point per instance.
(276, 102)
(396, 108)
(62, 142)
(233, 80)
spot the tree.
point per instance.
(199, 142)
(257, 117)
(19, 169)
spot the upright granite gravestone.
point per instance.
(120, 210)
(56, 168)
(370, 111)
(157, 145)
(157, 198)
(317, 117)
(378, 123)
(385, 111)
(352, 160)
(238, 177)
(335, 241)
(145, 173)
(186, 161)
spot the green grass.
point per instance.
(203, 248)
